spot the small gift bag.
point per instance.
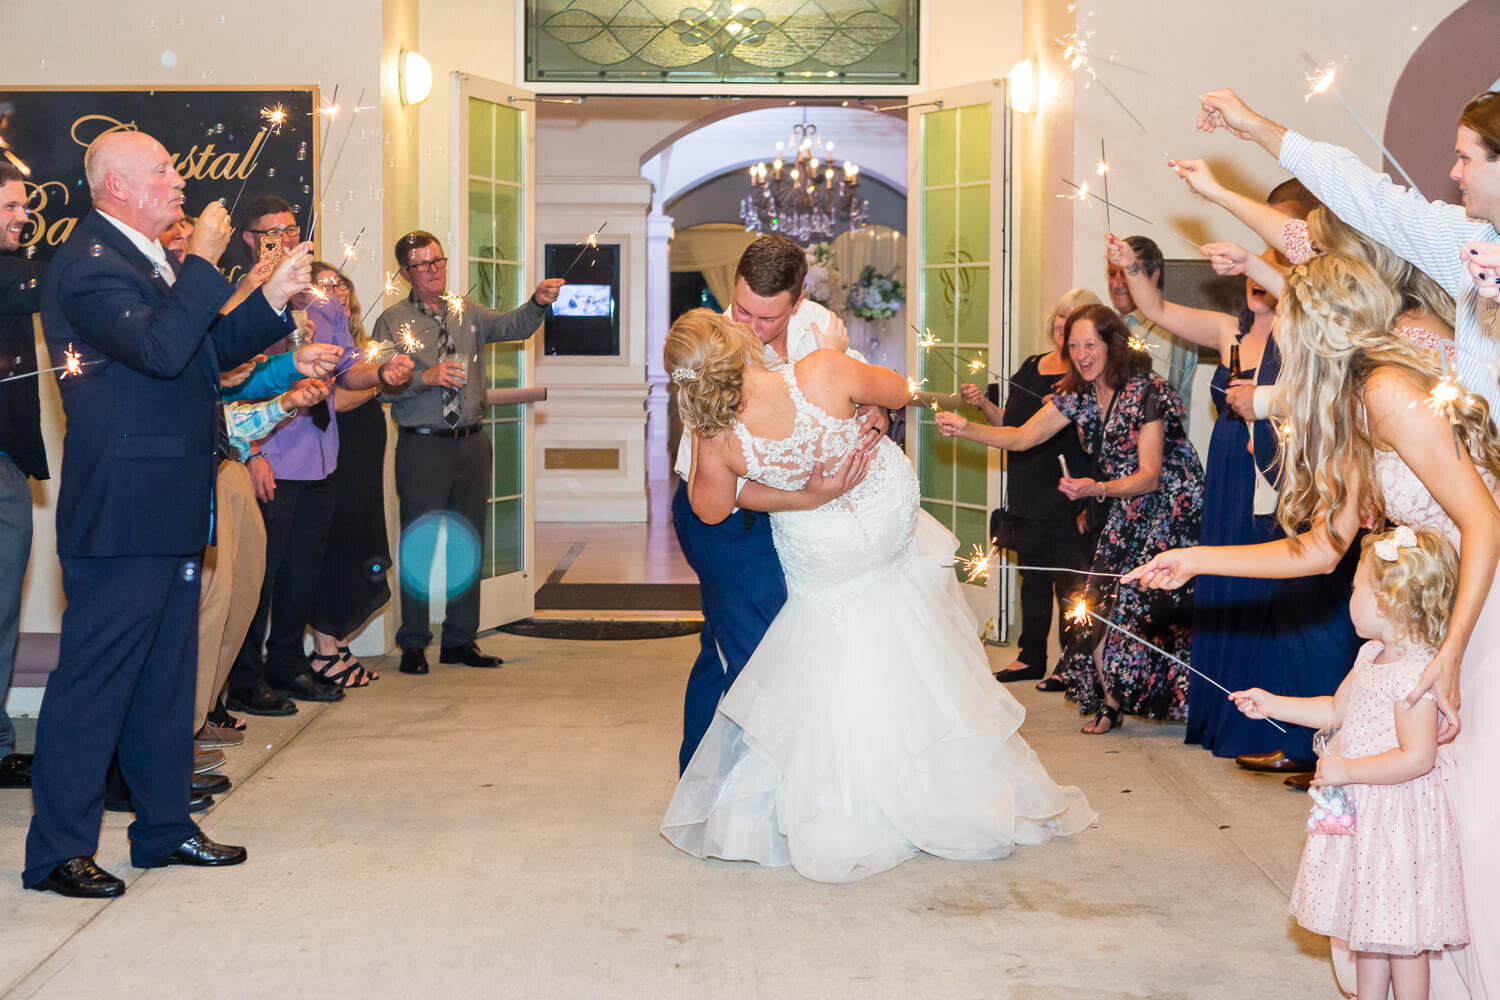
(1333, 807)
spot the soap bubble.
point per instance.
(95, 250)
(419, 546)
(168, 59)
(270, 172)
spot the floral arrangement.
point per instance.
(875, 295)
(822, 274)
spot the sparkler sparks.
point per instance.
(72, 362)
(977, 566)
(1080, 193)
(408, 340)
(1319, 80)
(275, 116)
(1078, 614)
(589, 242)
(389, 288)
(455, 304)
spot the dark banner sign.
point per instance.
(221, 142)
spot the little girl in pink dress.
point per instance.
(1392, 886)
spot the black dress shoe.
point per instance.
(260, 700)
(196, 804)
(414, 661)
(81, 878)
(211, 783)
(200, 852)
(1274, 762)
(468, 655)
(306, 687)
(1021, 673)
(15, 770)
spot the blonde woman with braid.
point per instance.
(1361, 435)
(866, 726)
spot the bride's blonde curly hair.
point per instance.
(1335, 333)
(706, 354)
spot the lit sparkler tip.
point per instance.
(275, 116)
(390, 284)
(1444, 397)
(928, 341)
(72, 361)
(409, 341)
(976, 365)
(1078, 614)
(1318, 82)
(1102, 168)
(977, 566)
(349, 251)
(1082, 194)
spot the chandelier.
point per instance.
(808, 197)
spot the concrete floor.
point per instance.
(494, 834)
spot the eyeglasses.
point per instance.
(285, 232)
(428, 266)
(329, 283)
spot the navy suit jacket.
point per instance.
(138, 461)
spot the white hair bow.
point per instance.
(1402, 537)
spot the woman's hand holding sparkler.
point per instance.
(1199, 178)
(1167, 571)
(1227, 258)
(1118, 252)
(1483, 260)
(304, 392)
(317, 360)
(951, 424)
(1079, 489)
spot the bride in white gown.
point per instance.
(867, 726)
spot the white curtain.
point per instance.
(882, 341)
(713, 249)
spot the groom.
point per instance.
(739, 574)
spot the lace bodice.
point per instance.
(833, 551)
(786, 463)
(1407, 501)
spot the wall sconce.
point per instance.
(414, 75)
(1023, 86)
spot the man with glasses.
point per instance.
(267, 227)
(443, 457)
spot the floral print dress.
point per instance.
(1135, 529)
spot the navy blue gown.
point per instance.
(1230, 614)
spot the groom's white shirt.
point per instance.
(801, 340)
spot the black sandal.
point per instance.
(354, 676)
(348, 658)
(1110, 712)
(1053, 683)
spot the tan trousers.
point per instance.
(232, 572)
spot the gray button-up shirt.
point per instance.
(418, 404)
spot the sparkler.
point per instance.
(359, 106)
(1443, 400)
(1320, 81)
(983, 559)
(72, 365)
(1084, 195)
(1103, 171)
(386, 290)
(590, 242)
(1080, 613)
(275, 118)
(350, 250)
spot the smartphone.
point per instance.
(271, 249)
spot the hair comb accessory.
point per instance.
(681, 375)
(1402, 537)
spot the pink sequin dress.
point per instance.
(1396, 885)
(1299, 249)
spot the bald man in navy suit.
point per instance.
(134, 509)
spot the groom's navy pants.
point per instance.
(742, 590)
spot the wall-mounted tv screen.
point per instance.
(585, 320)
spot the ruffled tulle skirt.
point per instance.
(867, 727)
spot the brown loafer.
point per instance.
(1274, 762)
(1299, 782)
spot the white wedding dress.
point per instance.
(867, 726)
